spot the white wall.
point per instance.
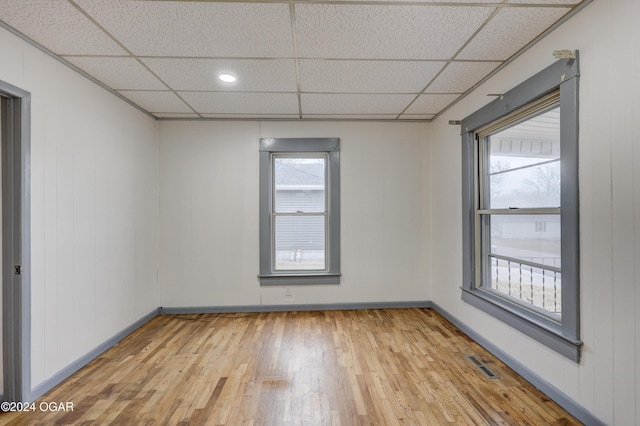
(93, 209)
(607, 380)
(209, 213)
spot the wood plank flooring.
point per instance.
(366, 367)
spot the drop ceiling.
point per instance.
(381, 60)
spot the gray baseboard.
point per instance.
(76, 365)
(292, 307)
(575, 409)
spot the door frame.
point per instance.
(16, 241)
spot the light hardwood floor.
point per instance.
(369, 367)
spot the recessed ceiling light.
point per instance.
(227, 78)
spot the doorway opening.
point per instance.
(15, 137)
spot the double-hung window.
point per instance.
(299, 211)
(520, 201)
(518, 209)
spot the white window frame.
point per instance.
(484, 212)
(275, 214)
(561, 335)
(270, 148)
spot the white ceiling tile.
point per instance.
(416, 116)
(458, 77)
(509, 31)
(58, 26)
(161, 28)
(427, 1)
(430, 103)
(344, 76)
(157, 101)
(359, 104)
(350, 116)
(242, 102)
(384, 31)
(118, 73)
(546, 1)
(176, 115)
(254, 75)
(254, 116)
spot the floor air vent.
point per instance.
(483, 368)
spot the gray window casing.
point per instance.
(564, 336)
(330, 146)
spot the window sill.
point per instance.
(299, 279)
(544, 331)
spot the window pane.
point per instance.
(538, 287)
(524, 164)
(299, 184)
(300, 242)
(532, 238)
(524, 259)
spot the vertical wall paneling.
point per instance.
(209, 208)
(381, 255)
(635, 136)
(622, 200)
(634, 111)
(587, 238)
(93, 209)
(65, 225)
(47, 142)
(597, 155)
(606, 381)
(84, 240)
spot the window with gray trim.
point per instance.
(299, 211)
(520, 208)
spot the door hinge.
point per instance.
(18, 270)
